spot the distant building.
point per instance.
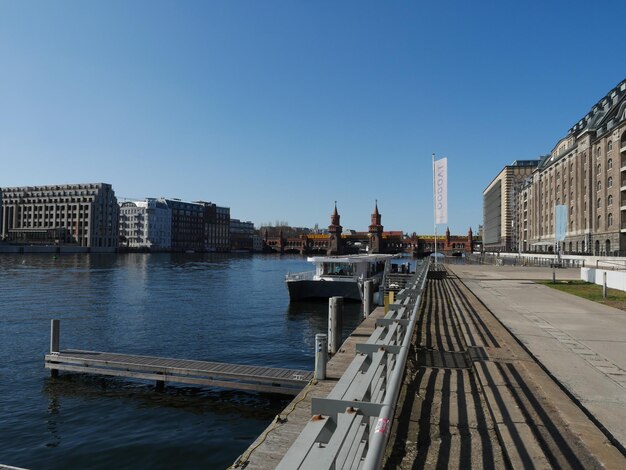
(146, 225)
(241, 235)
(199, 226)
(187, 225)
(216, 227)
(85, 215)
(257, 243)
(499, 224)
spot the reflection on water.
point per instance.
(209, 307)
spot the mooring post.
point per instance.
(55, 331)
(604, 285)
(368, 297)
(160, 384)
(321, 355)
(335, 323)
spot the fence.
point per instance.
(350, 427)
(537, 261)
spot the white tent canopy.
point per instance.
(543, 244)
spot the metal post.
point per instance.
(435, 207)
(335, 323)
(368, 297)
(55, 331)
(604, 285)
(321, 355)
(553, 275)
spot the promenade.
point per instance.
(581, 343)
(503, 373)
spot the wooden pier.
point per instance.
(163, 370)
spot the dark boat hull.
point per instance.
(305, 290)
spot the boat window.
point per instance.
(338, 269)
(375, 268)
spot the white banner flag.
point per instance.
(441, 191)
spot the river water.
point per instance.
(225, 308)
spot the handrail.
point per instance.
(350, 427)
(614, 265)
(304, 276)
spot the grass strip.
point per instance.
(587, 290)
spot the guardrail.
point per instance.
(537, 261)
(350, 427)
(305, 276)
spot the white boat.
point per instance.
(337, 276)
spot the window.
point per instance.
(599, 186)
(609, 219)
(609, 164)
(610, 145)
(599, 220)
(609, 201)
(599, 203)
(609, 182)
(599, 168)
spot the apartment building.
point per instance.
(84, 215)
(242, 235)
(146, 225)
(199, 226)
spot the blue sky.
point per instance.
(278, 108)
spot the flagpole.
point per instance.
(435, 207)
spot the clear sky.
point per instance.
(278, 108)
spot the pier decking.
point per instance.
(162, 370)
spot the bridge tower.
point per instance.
(335, 243)
(376, 232)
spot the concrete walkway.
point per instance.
(581, 343)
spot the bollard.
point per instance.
(553, 275)
(368, 297)
(604, 285)
(335, 323)
(321, 356)
(55, 331)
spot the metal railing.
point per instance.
(305, 276)
(611, 265)
(536, 261)
(350, 427)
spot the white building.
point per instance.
(146, 224)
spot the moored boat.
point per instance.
(337, 276)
